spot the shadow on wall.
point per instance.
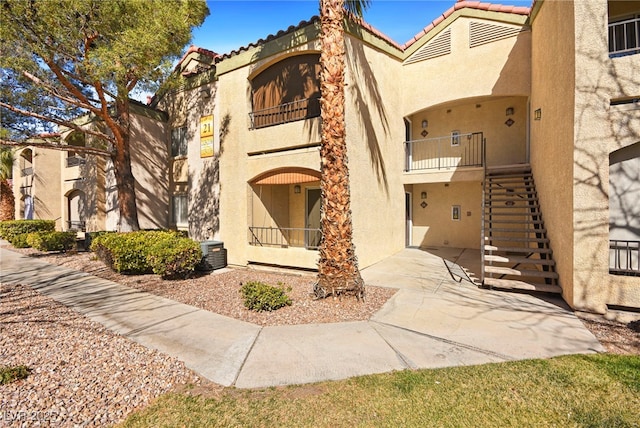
(598, 133)
(149, 160)
(515, 75)
(624, 193)
(370, 107)
(204, 216)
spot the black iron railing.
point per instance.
(452, 151)
(624, 257)
(76, 225)
(284, 237)
(284, 113)
(75, 161)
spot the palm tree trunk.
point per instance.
(338, 267)
(7, 201)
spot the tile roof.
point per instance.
(291, 29)
(460, 4)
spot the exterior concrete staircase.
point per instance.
(516, 251)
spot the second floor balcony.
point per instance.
(288, 112)
(75, 161)
(449, 152)
(624, 37)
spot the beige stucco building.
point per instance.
(78, 190)
(437, 131)
(513, 132)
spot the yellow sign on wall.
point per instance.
(206, 136)
(206, 126)
(206, 147)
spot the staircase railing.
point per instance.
(484, 193)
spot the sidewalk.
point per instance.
(431, 322)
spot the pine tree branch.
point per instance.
(57, 146)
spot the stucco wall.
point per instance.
(433, 225)
(375, 133)
(552, 84)
(501, 67)
(573, 83)
(599, 130)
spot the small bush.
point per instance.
(259, 296)
(175, 257)
(52, 241)
(12, 228)
(20, 241)
(10, 374)
(165, 253)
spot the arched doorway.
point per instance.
(285, 208)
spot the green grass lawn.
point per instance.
(572, 391)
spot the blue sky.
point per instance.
(236, 23)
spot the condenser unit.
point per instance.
(214, 255)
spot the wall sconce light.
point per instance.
(205, 93)
(509, 111)
(297, 188)
(537, 115)
(425, 123)
(423, 195)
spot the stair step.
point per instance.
(514, 198)
(522, 222)
(516, 239)
(494, 248)
(491, 193)
(500, 270)
(494, 258)
(525, 230)
(516, 185)
(521, 285)
(501, 207)
(509, 169)
(494, 176)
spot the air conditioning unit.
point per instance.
(214, 255)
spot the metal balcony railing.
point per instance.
(284, 113)
(76, 225)
(75, 161)
(624, 257)
(453, 151)
(624, 37)
(284, 237)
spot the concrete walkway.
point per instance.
(433, 321)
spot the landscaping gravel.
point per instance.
(82, 374)
(219, 292)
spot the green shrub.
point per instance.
(52, 241)
(259, 296)
(124, 252)
(12, 228)
(20, 241)
(9, 374)
(175, 257)
(163, 252)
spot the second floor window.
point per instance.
(179, 142)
